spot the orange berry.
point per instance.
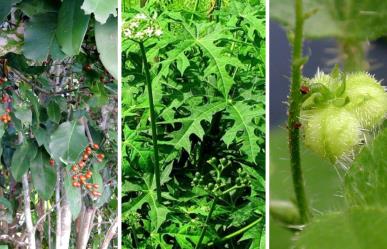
(82, 164)
(95, 185)
(75, 177)
(85, 157)
(76, 184)
(95, 146)
(82, 178)
(74, 168)
(89, 186)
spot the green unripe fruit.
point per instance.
(368, 99)
(331, 132)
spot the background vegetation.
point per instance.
(207, 72)
(59, 124)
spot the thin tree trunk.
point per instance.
(86, 223)
(58, 208)
(27, 213)
(65, 225)
(110, 234)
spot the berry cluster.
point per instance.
(6, 100)
(81, 175)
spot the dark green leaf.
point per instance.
(43, 176)
(21, 159)
(72, 26)
(68, 142)
(106, 40)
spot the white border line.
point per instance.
(119, 130)
(267, 113)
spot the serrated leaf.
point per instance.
(192, 124)
(68, 142)
(74, 196)
(21, 159)
(43, 176)
(106, 40)
(72, 26)
(101, 9)
(365, 183)
(157, 212)
(353, 228)
(243, 129)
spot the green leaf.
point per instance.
(43, 176)
(158, 212)
(39, 38)
(7, 204)
(243, 129)
(24, 114)
(19, 62)
(102, 9)
(35, 7)
(365, 182)
(21, 159)
(42, 136)
(5, 8)
(72, 26)
(351, 19)
(106, 40)
(68, 142)
(54, 112)
(192, 124)
(351, 229)
(74, 196)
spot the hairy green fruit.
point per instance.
(331, 132)
(360, 92)
(368, 99)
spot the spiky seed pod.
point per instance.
(331, 132)
(368, 99)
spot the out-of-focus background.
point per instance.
(324, 195)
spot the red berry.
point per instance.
(52, 162)
(95, 146)
(76, 184)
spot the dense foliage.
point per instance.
(207, 73)
(58, 126)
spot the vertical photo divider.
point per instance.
(267, 115)
(120, 127)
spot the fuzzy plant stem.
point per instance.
(213, 205)
(153, 121)
(294, 115)
(353, 55)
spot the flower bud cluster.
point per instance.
(141, 27)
